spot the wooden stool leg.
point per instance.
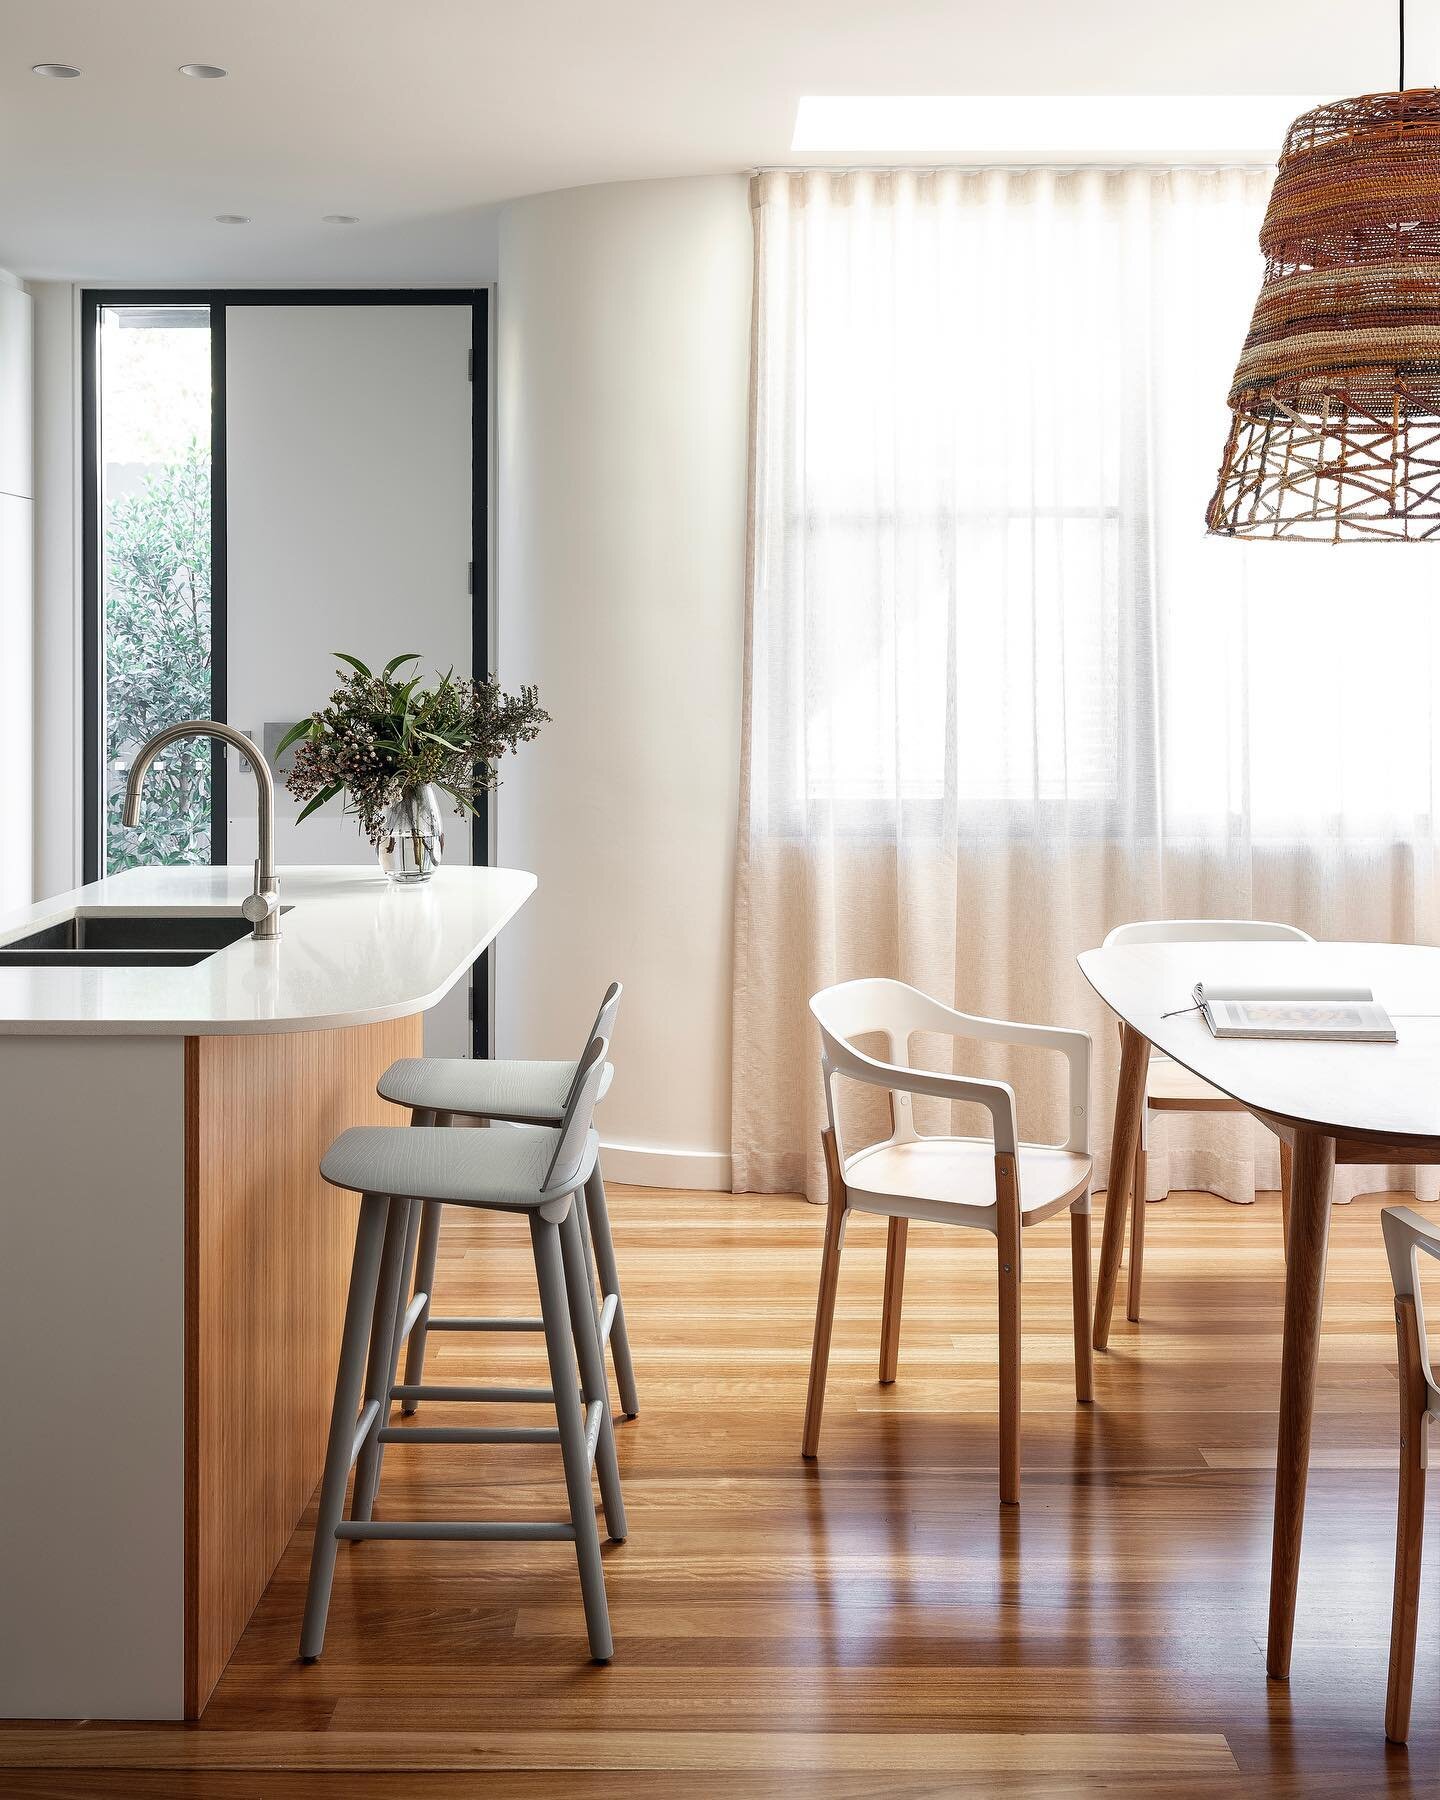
(424, 1284)
(1287, 1157)
(1410, 1522)
(1007, 1194)
(1080, 1298)
(592, 1367)
(560, 1349)
(1129, 1103)
(1137, 1234)
(825, 1301)
(359, 1328)
(598, 1216)
(894, 1290)
(429, 1241)
(384, 1351)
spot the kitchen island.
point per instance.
(172, 1269)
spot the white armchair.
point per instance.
(997, 1183)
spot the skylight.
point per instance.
(1047, 127)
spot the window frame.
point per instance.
(482, 632)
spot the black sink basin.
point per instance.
(107, 940)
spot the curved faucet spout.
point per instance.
(263, 905)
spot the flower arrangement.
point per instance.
(384, 737)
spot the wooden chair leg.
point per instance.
(1137, 1234)
(825, 1302)
(1409, 1524)
(1007, 1234)
(1286, 1158)
(1080, 1295)
(894, 1291)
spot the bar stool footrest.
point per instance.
(469, 1434)
(460, 1530)
(429, 1390)
(486, 1325)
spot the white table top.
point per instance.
(353, 948)
(1382, 1092)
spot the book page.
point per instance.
(1298, 1015)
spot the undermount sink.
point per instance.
(115, 940)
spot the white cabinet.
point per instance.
(17, 595)
(17, 419)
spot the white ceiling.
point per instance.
(421, 115)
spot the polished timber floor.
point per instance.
(872, 1624)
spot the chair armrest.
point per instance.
(1074, 1046)
(1405, 1233)
(997, 1097)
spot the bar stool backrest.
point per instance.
(564, 1170)
(1206, 931)
(604, 1027)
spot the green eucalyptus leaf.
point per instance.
(328, 793)
(305, 728)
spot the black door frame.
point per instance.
(92, 300)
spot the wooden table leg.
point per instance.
(1129, 1099)
(1312, 1169)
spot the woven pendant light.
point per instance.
(1336, 400)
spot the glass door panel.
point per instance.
(153, 419)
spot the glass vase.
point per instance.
(412, 838)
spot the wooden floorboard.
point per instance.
(871, 1624)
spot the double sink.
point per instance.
(114, 940)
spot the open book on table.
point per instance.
(1348, 1015)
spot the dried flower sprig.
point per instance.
(380, 736)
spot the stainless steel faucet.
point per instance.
(262, 907)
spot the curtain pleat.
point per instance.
(1001, 692)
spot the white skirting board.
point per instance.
(657, 1166)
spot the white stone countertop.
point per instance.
(353, 948)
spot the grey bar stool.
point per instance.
(535, 1172)
(439, 1089)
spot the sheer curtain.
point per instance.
(1002, 693)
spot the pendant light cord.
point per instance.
(1402, 46)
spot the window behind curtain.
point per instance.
(989, 407)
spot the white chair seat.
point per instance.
(527, 1093)
(952, 1180)
(1170, 1085)
(503, 1170)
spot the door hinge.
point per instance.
(470, 365)
(470, 578)
(470, 1003)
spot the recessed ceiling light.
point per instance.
(203, 71)
(340, 219)
(232, 218)
(1072, 127)
(56, 71)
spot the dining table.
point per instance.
(1329, 1102)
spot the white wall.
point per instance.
(622, 378)
(17, 590)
